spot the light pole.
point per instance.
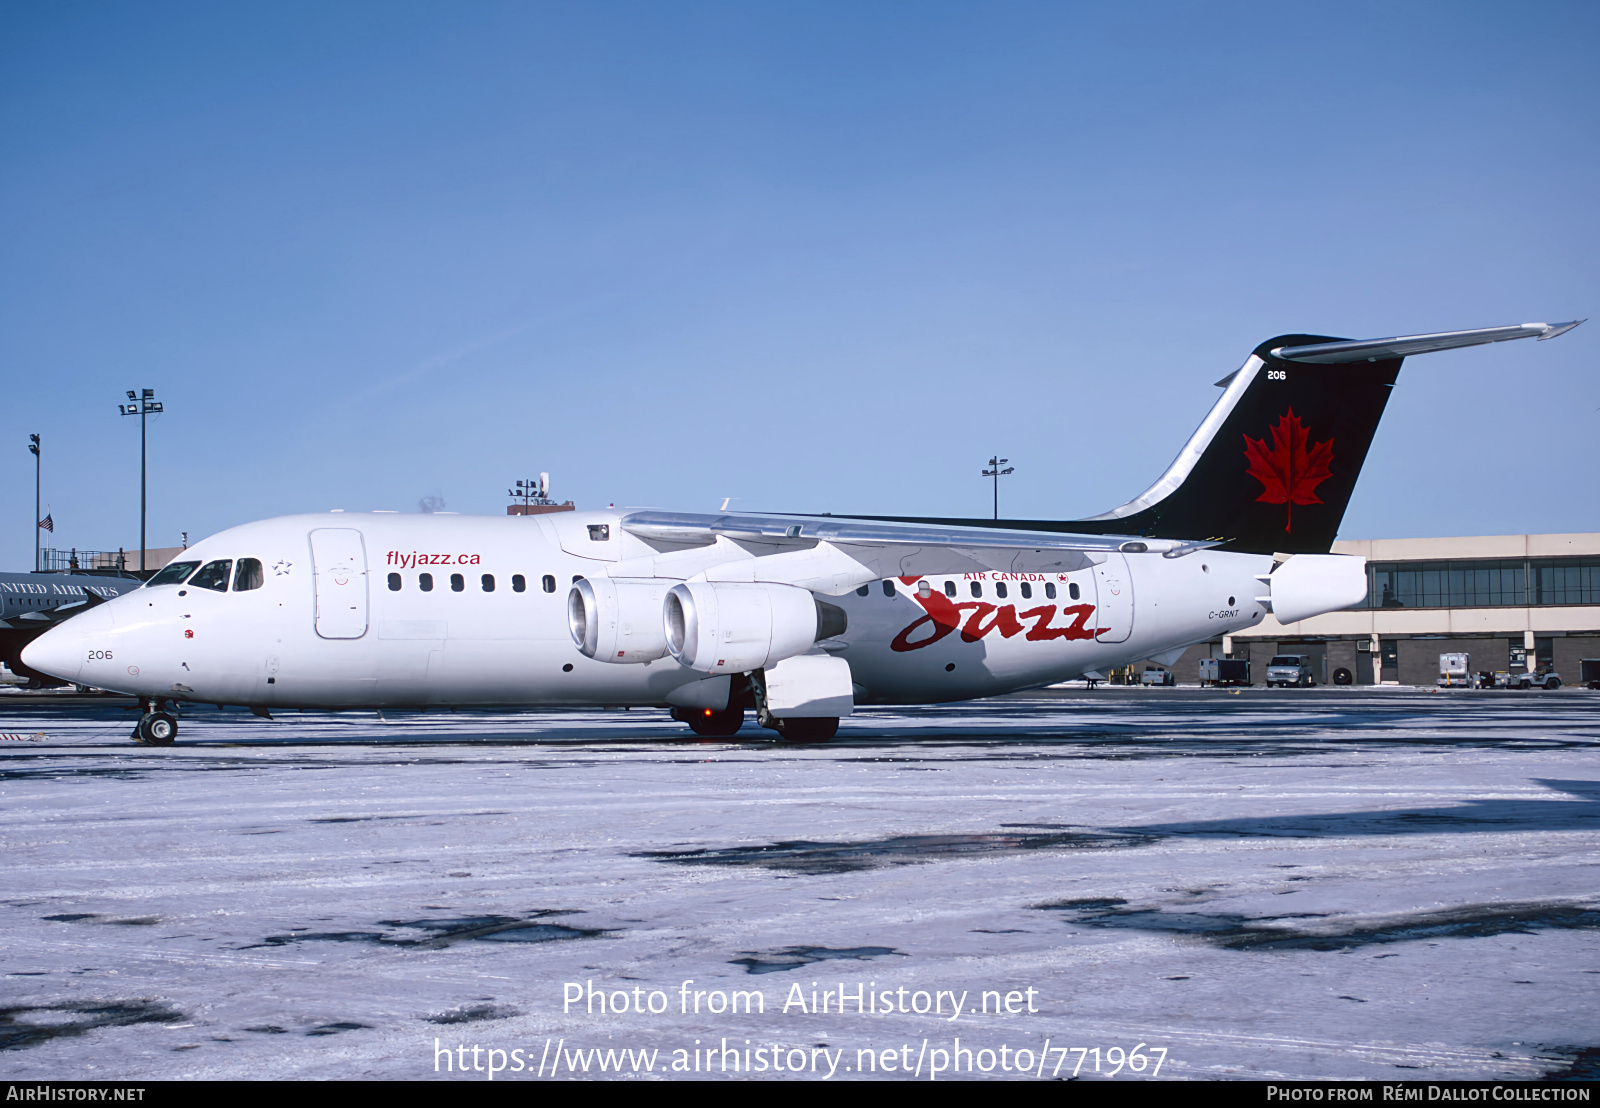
(996, 472)
(38, 520)
(144, 403)
(531, 492)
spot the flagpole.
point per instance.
(33, 445)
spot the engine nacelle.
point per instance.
(618, 621)
(734, 628)
(1310, 584)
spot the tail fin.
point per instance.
(1273, 465)
(1275, 462)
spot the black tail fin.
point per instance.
(1275, 462)
(1273, 465)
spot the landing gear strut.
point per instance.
(157, 726)
(791, 729)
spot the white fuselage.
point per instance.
(369, 635)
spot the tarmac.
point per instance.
(1179, 883)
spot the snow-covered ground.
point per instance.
(1315, 884)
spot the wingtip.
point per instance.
(1551, 330)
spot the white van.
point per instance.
(1290, 669)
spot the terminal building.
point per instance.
(1515, 603)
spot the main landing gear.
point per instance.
(807, 729)
(749, 691)
(157, 726)
(710, 724)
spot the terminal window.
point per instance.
(1567, 581)
(1484, 583)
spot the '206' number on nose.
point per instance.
(99, 655)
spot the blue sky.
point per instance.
(817, 257)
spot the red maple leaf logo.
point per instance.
(1289, 471)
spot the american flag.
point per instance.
(48, 524)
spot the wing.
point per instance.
(833, 556)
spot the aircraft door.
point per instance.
(339, 567)
(1113, 586)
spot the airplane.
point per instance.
(32, 603)
(797, 617)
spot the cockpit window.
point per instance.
(249, 575)
(172, 574)
(213, 576)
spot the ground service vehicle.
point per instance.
(1455, 671)
(1224, 671)
(1544, 678)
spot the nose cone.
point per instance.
(61, 651)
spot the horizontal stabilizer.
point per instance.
(1370, 350)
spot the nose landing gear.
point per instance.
(157, 726)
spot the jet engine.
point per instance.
(1311, 584)
(733, 628)
(618, 621)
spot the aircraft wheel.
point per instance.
(158, 729)
(812, 729)
(712, 724)
(1342, 676)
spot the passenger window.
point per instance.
(949, 588)
(425, 582)
(519, 583)
(1027, 591)
(248, 576)
(864, 590)
(172, 574)
(457, 582)
(548, 582)
(977, 589)
(888, 588)
(214, 576)
(1049, 590)
(599, 532)
(1072, 591)
(488, 582)
(576, 577)
(1000, 590)
(394, 582)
